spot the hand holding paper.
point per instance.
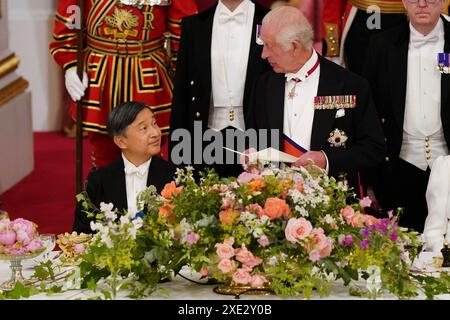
(316, 156)
(269, 154)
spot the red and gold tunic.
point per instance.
(336, 13)
(125, 56)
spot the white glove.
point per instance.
(74, 86)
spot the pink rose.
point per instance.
(241, 276)
(257, 281)
(263, 241)
(229, 241)
(192, 238)
(226, 266)
(297, 229)
(314, 255)
(369, 220)
(79, 248)
(7, 238)
(256, 209)
(365, 202)
(204, 271)
(224, 251)
(319, 246)
(347, 213)
(247, 258)
(227, 203)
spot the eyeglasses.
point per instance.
(427, 1)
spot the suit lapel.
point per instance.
(157, 175)
(445, 81)
(275, 101)
(398, 63)
(205, 51)
(323, 121)
(117, 185)
(254, 57)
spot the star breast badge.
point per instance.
(337, 138)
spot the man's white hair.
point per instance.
(290, 25)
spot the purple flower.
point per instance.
(365, 233)
(346, 240)
(394, 235)
(364, 244)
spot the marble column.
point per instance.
(16, 138)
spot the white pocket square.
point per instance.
(340, 113)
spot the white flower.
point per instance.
(124, 220)
(106, 207)
(373, 282)
(110, 215)
(258, 232)
(106, 239)
(329, 219)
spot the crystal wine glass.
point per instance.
(49, 242)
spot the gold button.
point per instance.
(192, 82)
(197, 114)
(386, 159)
(193, 98)
(427, 145)
(427, 139)
(383, 120)
(428, 157)
(333, 41)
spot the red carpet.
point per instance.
(47, 195)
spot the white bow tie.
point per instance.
(139, 172)
(418, 41)
(225, 17)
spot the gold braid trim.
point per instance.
(385, 6)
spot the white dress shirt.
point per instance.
(423, 136)
(437, 224)
(230, 47)
(299, 110)
(135, 180)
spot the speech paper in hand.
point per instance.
(269, 154)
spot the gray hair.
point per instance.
(291, 25)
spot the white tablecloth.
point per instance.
(181, 289)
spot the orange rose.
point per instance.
(165, 212)
(275, 208)
(228, 216)
(256, 185)
(170, 189)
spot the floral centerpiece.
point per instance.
(19, 237)
(294, 230)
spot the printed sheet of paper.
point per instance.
(269, 154)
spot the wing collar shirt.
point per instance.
(135, 180)
(230, 47)
(423, 136)
(299, 109)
